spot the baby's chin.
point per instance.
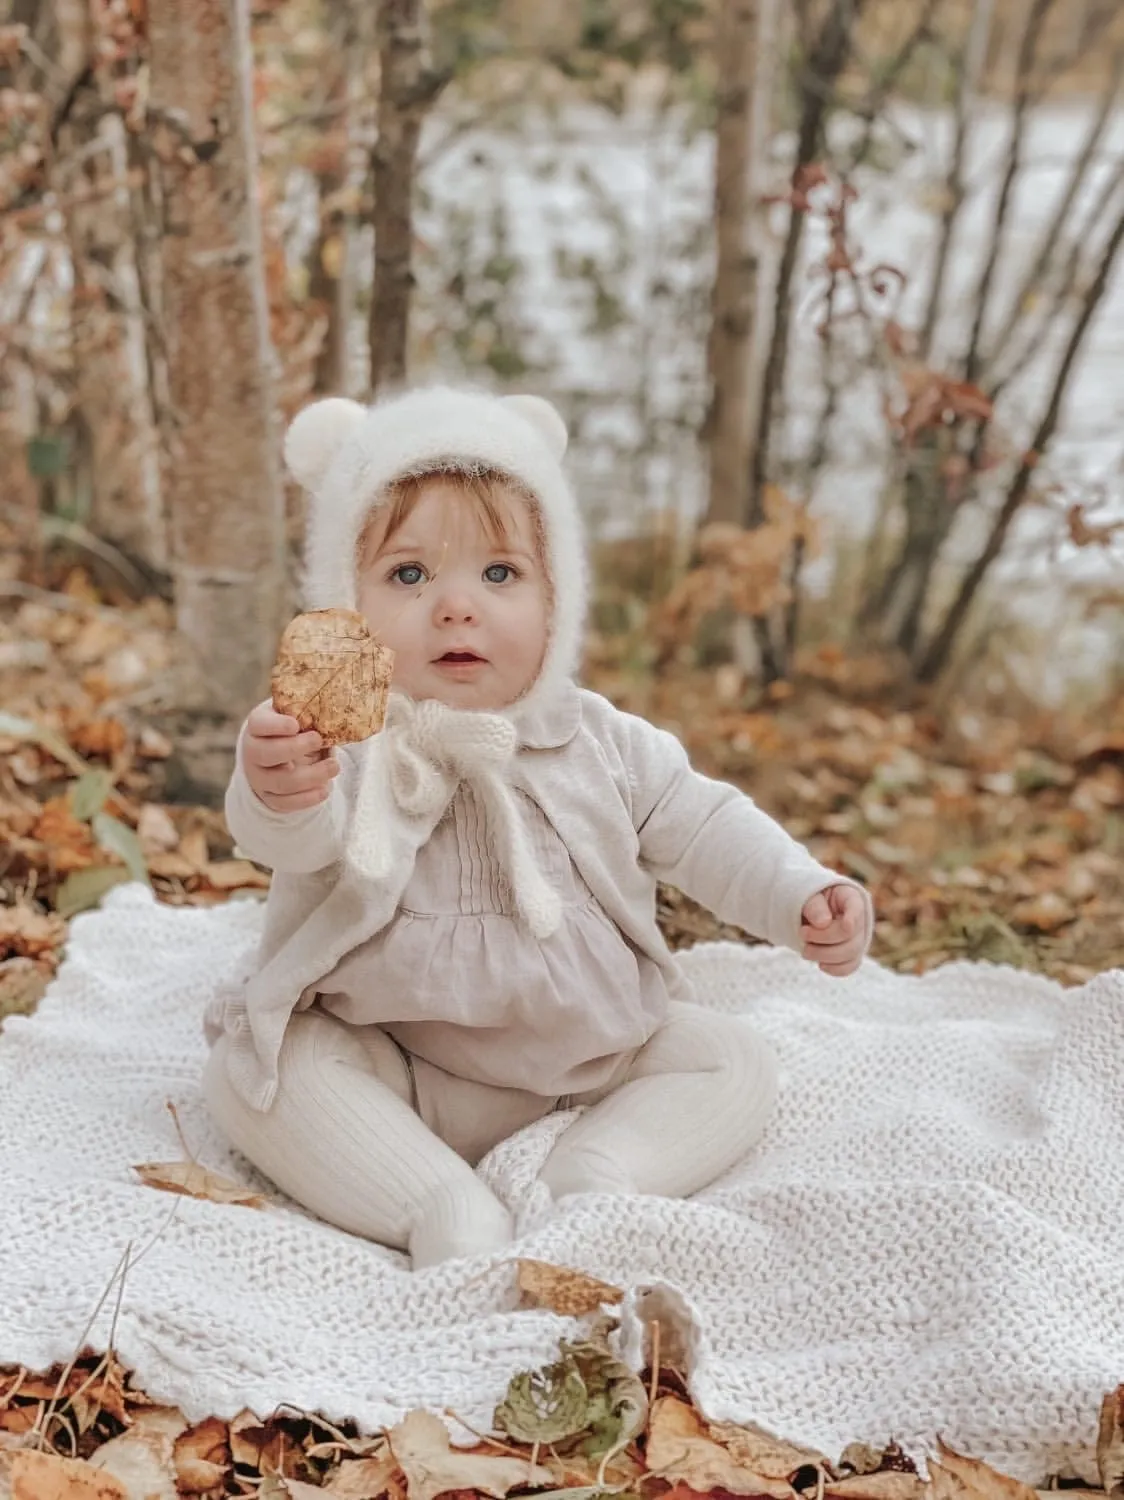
(488, 696)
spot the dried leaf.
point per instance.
(420, 1443)
(1110, 1442)
(155, 829)
(571, 1294)
(141, 1459)
(681, 1449)
(43, 1476)
(885, 1485)
(956, 1474)
(235, 875)
(22, 986)
(361, 1478)
(194, 1181)
(332, 675)
(13, 727)
(202, 1457)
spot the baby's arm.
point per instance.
(286, 813)
(712, 842)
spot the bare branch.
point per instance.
(937, 653)
(970, 73)
(1027, 49)
(1052, 235)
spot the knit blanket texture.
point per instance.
(930, 1238)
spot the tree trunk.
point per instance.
(222, 474)
(408, 85)
(730, 346)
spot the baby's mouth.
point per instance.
(460, 657)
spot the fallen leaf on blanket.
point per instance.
(1110, 1442)
(588, 1393)
(361, 1478)
(886, 1485)
(141, 1458)
(332, 675)
(745, 1462)
(202, 1457)
(44, 1476)
(431, 1464)
(957, 1477)
(571, 1294)
(194, 1181)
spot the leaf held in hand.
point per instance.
(332, 675)
(194, 1181)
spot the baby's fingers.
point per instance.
(283, 750)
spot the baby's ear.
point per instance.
(546, 419)
(316, 435)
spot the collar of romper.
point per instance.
(426, 750)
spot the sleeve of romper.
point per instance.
(296, 843)
(715, 844)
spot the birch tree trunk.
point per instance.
(728, 428)
(408, 85)
(222, 474)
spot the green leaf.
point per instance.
(87, 795)
(618, 1400)
(85, 888)
(48, 454)
(118, 838)
(545, 1406)
(26, 729)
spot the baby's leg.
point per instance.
(342, 1139)
(694, 1100)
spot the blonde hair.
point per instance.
(489, 491)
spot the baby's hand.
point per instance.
(287, 770)
(833, 929)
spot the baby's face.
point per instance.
(467, 620)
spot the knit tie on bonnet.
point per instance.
(424, 752)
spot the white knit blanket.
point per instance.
(930, 1238)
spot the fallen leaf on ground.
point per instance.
(571, 1294)
(887, 1485)
(194, 1181)
(332, 675)
(141, 1459)
(43, 1476)
(1110, 1442)
(956, 1477)
(421, 1444)
(202, 1457)
(361, 1478)
(681, 1449)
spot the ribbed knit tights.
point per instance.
(342, 1136)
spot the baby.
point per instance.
(460, 935)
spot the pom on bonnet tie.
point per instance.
(424, 752)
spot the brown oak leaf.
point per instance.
(332, 675)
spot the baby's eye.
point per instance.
(499, 572)
(411, 574)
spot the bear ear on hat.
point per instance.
(315, 436)
(544, 418)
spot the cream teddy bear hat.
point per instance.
(347, 456)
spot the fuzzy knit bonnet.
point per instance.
(347, 457)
